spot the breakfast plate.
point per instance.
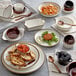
(49, 9)
(42, 37)
(33, 68)
(11, 30)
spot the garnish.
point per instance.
(49, 37)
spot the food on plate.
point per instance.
(49, 38)
(68, 41)
(63, 58)
(13, 33)
(18, 8)
(49, 9)
(21, 55)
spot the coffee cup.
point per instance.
(71, 69)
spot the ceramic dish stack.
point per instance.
(33, 66)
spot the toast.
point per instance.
(16, 60)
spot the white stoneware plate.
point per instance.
(5, 37)
(48, 3)
(40, 42)
(31, 69)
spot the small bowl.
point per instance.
(64, 27)
(6, 38)
(68, 41)
(49, 3)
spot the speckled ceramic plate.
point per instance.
(33, 68)
(42, 43)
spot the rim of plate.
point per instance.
(46, 45)
(25, 67)
(58, 6)
(27, 72)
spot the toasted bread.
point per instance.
(15, 60)
(32, 54)
(26, 57)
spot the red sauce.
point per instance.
(13, 33)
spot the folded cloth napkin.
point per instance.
(71, 31)
(51, 67)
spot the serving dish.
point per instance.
(6, 38)
(48, 43)
(30, 69)
(49, 9)
(29, 63)
(34, 24)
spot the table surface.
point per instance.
(29, 37)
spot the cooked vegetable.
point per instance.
(50, 37)
(49, 10)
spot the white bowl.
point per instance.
(5, 37)
(64, 27)
(48, 3)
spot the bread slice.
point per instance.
(26, 57)
(16, 60)
(32, 54)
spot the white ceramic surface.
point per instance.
(5, 8)
(68, 46)
(48, 3)
(5, 37)
(64, 27)
(30, 69)
(34, 24)
(35, 50)
(39, 34)
(8, 12)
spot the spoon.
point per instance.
(62, 23)
(52, 61)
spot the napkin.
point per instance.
(71, 31)
(51, 67)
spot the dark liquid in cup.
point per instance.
(68, 6)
